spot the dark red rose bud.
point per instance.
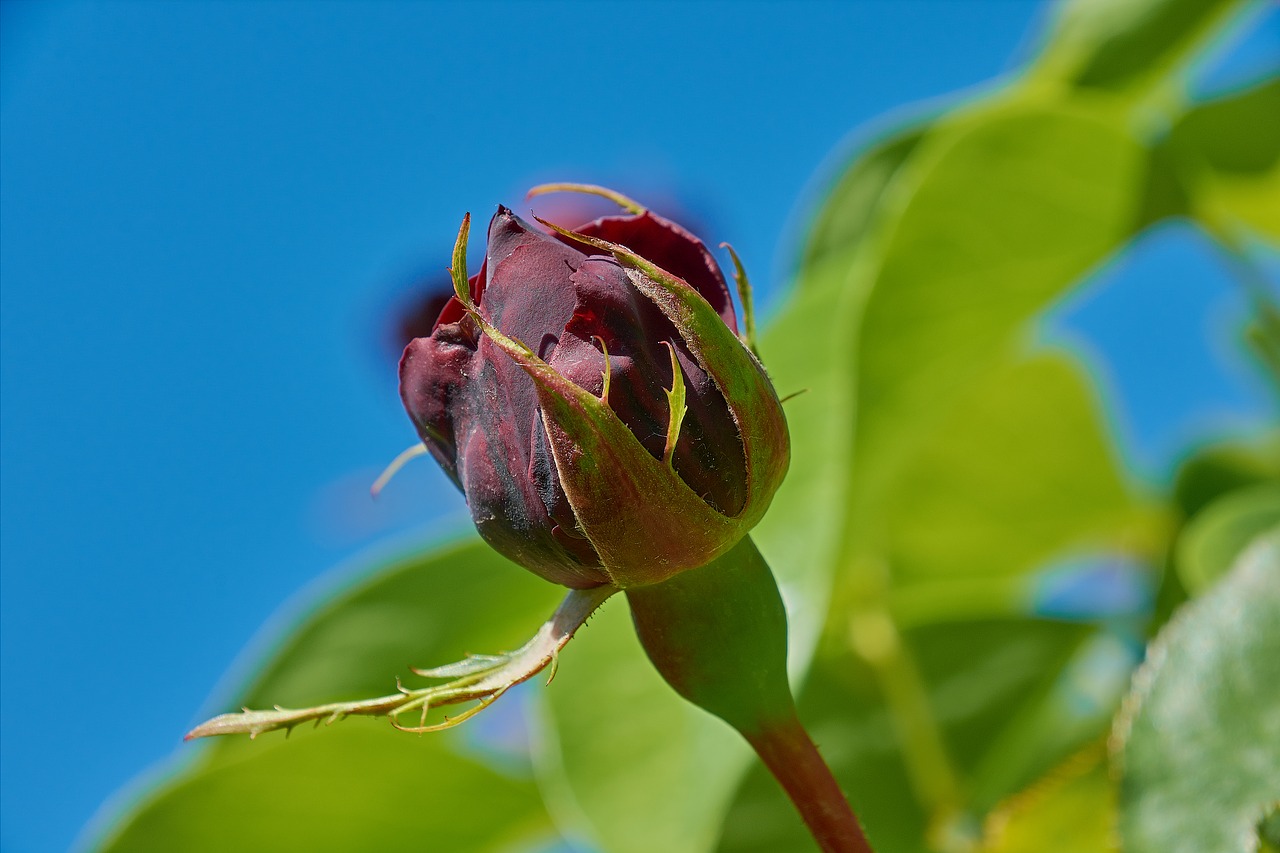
(588, 393)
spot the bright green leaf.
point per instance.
(1198, 744)
(1118, 44)
(361, 786)
(1019, 471)
(851, 207)
(1005, 209)
(1227, 154)
(1237, 134)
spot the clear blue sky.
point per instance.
(207, 210)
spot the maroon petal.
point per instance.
(674, 249)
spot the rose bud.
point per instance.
(588, 393)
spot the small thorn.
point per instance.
(793, 395)
(608, 369)
(555, 666)
(675, 404)
(391, 470)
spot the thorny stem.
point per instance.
(789, 753)
(479, 678)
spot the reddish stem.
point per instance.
(792, 758)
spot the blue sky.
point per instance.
(208, 209)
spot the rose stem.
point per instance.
(789, 753)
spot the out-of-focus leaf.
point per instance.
(1234, 135)
(1269, 831)
(981, 676)
(360, 784)
(1227, 154)
(1210, 544)
(1220, 469)
(1007, 207)
(1019, 471)
(992, 215)
(1118, 44)
(358, 787)
(850, 208)
(1198, 743)
(1073, 809)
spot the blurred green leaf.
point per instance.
(1074, 805)
(1020, 470)
(1224, 157)
(1198, 743)
(1118, 44)
(1234, 135)
(1210, 544)
(850, 208)
(1006, 207)
(1220, 469)
(360, 784)
(358, 787)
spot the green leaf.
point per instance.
(360, 784)
(1128, 43)
(1007, 207)
(1210, 544)
(358, 787)
(1020, 470)
(852, 205)
(1235, 134)
(1074, 806)
(1198, 744)
(1227, 154)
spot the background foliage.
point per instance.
(950, 538)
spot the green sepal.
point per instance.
(628, 204)
(737, 373)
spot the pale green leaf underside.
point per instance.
(1198, 743)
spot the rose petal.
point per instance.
(674, 249)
